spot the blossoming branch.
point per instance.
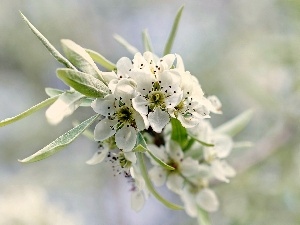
(146, 106)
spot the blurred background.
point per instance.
(245, 52)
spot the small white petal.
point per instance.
(223, 145)
(218, 171)
(174, 151)
(126, 138)
(158, 119)
(140, 121)
(140, 104)
(189, 202)
(144, 81)
(130, 156)
(179, 63)
(104, 129)
(207, 200)
(158, 175)
(137, 200)
(168, 60)
(229, 171)
(123, 66)
(189, 167)
(217, 105)
(98, 157)
(187, 122)
(104, 106)
(175, 183)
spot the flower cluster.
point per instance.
(145, 94)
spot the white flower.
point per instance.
(158, 90)
(121, 119)
(194, 107)
(215, 155)
(184, 167)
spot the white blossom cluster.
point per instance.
(146, 93)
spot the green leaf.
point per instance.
(48, 45)
(147, 41)
(125, 44)
(179, 133)
(28, 112)
(172, 35)
(84, 83)
(149, 184)
(236, 125)
(142, 147)
(203, 217)
(53, 91)
(60, 142)
(64, 106)
(86, 102)
(98, 58)
(80, 58)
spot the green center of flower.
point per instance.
(156, 99)
(124, 114)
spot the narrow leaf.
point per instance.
(160, 162)
(51, 92)
(98, 58)
(82, 82)
(28, 112)
(149, 184)
(203, 217)
(125, 44)
(60, 142)
(203, 142)
(64, 106)
(147, 41)
(48, 45)
(172, 35)
(80, 58)
(236, 125)
(179, 133)
(142, 147)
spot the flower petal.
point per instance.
(98, 157)
(104, 106)
(175, 183)
(137, 200)
(158, 119)
(158, 175)
(223, 145)
(189, 167)
(123, 66)
(126, 138)
(140, 104)
(104, 129)
(207, 200)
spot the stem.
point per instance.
(149, 184)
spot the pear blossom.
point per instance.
(185, 167)
(121, 119)
(214, 155)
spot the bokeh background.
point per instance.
(245, 52)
